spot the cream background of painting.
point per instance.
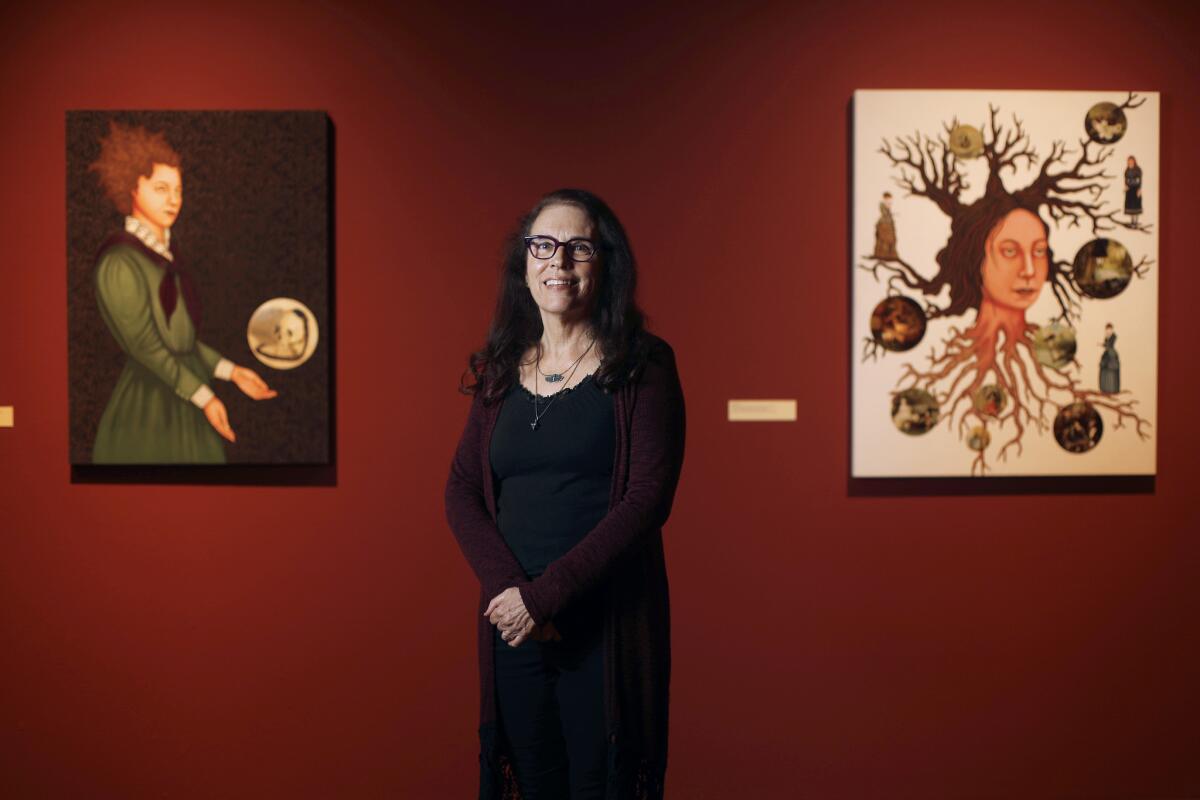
(878, 449)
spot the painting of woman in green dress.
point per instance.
(163, 409)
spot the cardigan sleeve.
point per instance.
(656, 439)
(470, 520)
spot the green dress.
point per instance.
(150, 417)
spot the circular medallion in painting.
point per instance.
(979, 438)
(897, 324)
(914, 411)
(282, 333)
(1105, 123)
(966, 141)
(1102, 268)
(990, 400)
(1078, 427)
(1054, 344)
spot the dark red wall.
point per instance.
(202, 641)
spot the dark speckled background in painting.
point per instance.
(254, 225)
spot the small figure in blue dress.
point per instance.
(1133, 190)
(1110, 363)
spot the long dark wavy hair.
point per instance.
(960, 262)
(617, 322)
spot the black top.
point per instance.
(553, 483)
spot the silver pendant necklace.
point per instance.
(552, 378)
(555, 377)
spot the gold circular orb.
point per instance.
(966, 141)
(979, 438)
(1105, 123)
(990, 400)
(897, 323)
(914, 411)
(282, 333)
(1054, 344)
(1078, 427)
(1102, 268)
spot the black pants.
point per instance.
(551, 703)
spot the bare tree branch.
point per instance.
(1074, 193)
(922, 155)
(1066, 291)
(1129, 101)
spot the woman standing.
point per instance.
(557, 494)
(161, 410)
(885, 230)
(1133, 190)
(1110, 363)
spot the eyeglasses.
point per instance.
(544, 247)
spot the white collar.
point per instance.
(142, 231)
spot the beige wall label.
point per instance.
(762, 410)
(6, 416)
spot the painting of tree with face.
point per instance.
(1002, 312)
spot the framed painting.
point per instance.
(1005, 283)
(198, 285)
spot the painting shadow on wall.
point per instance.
(1003, 485)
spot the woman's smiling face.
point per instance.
(159, 197)
(558, 284)
(1016, 260)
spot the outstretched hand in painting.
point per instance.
(251, 385)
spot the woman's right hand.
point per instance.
(214, 410)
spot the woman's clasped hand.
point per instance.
(508, 613)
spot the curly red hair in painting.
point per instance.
(126, 154)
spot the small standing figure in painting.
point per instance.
(161, 410)
(885, 230)
(1110, 363)
(1133, 191)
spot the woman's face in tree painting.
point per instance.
(159, 197)
(1016, 260)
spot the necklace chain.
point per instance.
(555, 377)
(552, 378)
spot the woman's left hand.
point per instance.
(507, 611)
(251, 385)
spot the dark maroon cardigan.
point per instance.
(622, 557)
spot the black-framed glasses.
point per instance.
(544, 247)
